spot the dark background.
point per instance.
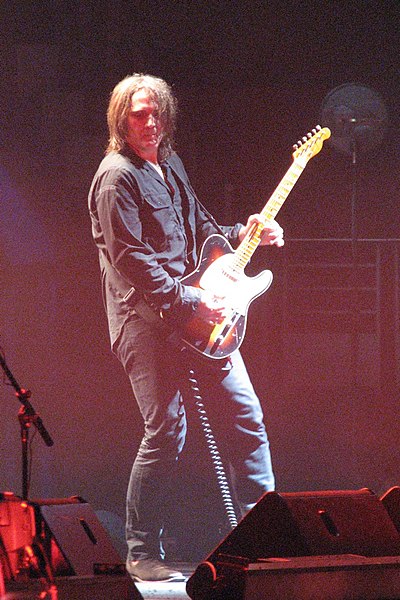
(322, 346)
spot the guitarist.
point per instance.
(149, 227)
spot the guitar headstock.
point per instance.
(310, 144)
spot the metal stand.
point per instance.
(27, 417)
(34, 556)
(357, 118)
(354, 234)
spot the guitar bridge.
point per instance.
(224, 333)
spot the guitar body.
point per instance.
(216, 272)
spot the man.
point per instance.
(149, 226)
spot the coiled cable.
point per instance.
(219, 469)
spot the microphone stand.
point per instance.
(354, 237)
(27, 417)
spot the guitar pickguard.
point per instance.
(216, 272)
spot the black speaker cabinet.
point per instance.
(74, 539)
(313, 523)
(323, 523)
(70, 547)
(342, 577)
(97, 587)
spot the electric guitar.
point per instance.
(220, 269)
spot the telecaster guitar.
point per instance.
(221, 269)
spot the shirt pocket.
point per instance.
(158, 200)
(159, 220)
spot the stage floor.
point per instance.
(305, 578)
(170, 591)
(101, 587)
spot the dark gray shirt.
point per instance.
(148, 231)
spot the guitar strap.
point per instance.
(187, 185)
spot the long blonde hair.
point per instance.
(119, 105)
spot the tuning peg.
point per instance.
(314, 131)
(295, 147)
(318, 127)
(299, 143)
(309, 135)
(304, 138)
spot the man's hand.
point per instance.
(271, 235)
(211, 308)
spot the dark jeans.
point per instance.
(158, 372)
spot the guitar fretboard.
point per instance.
(249, 244)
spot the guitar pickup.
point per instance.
(226, 330)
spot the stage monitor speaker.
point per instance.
(97, 587)
(69, 546)
(300, 524)
(311, 524)
(342, 577)
(74, 539)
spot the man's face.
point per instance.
(144, 125)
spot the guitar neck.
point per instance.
(251, 241)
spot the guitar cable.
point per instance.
(219, 469)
